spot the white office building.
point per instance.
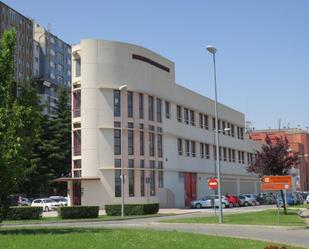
(163, 133)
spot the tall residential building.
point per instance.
(161, 132)
(299, 143)
(52, 65)
(10, 18)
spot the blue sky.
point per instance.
(262, 45)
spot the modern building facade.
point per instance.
(52, 65)
(10, 18)
(162, 132)
(299, 143)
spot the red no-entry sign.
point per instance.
(212, 183)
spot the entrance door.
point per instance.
(76, 193)
(190, 188)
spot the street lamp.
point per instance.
(213, 50)
(121, 89)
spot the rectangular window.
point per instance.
(130, 104)
(150, 108)
(224, 154)
(159, 145)
(179, 146)
(179, 113)
(223, 127)
(151, 144)
(213, 123)
(117, 165)
(238, 133)
(229, 129)
(207, 151)
(232, 131)
(201, 120)
(202, 150)
(206, 122)
(230, 155)
(77, 164)
(141, 105)
(142, 175)
(192, 118)
(187, 147)
(193, 149)
(130, 142)
(116, 103)
(219, 126)
(117, 141)
(215, 152)
(242, 133)
(186, 110)
(131, 177)
(243, 157)
(159, 110)
(239, 157)
(233, 156)
(152, 178)
(160, 175)
(220, 153)
(77, 67)
(141, 143)
(167, 110)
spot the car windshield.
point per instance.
(48, 200)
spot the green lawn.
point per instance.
(104, 238)
(100, 218)
(267, 217)
(301, 206)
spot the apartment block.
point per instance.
(299, 144)
(161, 132)
(10, 18)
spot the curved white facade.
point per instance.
(104, 67)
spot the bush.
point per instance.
(132, 209)
(78, 212)
(274, 247)
(24, 213)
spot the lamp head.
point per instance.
(123, 87)
(211, 49)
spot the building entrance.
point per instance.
(190, 187)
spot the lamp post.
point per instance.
(213, 50)
(121, 89)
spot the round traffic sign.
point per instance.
(212, 183)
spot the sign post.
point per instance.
(213, 184)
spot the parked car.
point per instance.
(24, 202)
(208, 202)
(253, 199)
(290, 199)
(245, 201)
(63, 201)
(307, 199)
(298, 199)
(266, 198)
(233, 200)
(46, 203)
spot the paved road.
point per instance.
(292, 236)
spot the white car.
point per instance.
(307, 199)
(245, 200)
(46, 203)
(207, 202)
(63, 201)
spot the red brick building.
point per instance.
(299, 142)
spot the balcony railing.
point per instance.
(76, 113)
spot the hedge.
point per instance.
(78, 212)
(132, 209)
(24, 213)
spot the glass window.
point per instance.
(213, 123)
(151, 144)
(193, 148)
(131, 177)
(159, 110)
(167, 110)
(192, 118)
(201, 120)
(130, 142)
(224, 154)
(215, 151)
(116, 103)
(179, 146)
(206, 122)
(152, 178)
(232, 130)
(141, 105)
(179, 113)
(77, 164)
(150, 108)
(160, 175)
(117, 165)
(207, 151)
(187, 147)
(142, 179)
(186, 110)
(223, 127)
(117, 141)
(130, 104)
(230, 155)
(141, 143)
(159, 145)
(202, 150)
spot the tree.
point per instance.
(16, 120)
(274, 159)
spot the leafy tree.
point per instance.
(16, 123)
(274, 159)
